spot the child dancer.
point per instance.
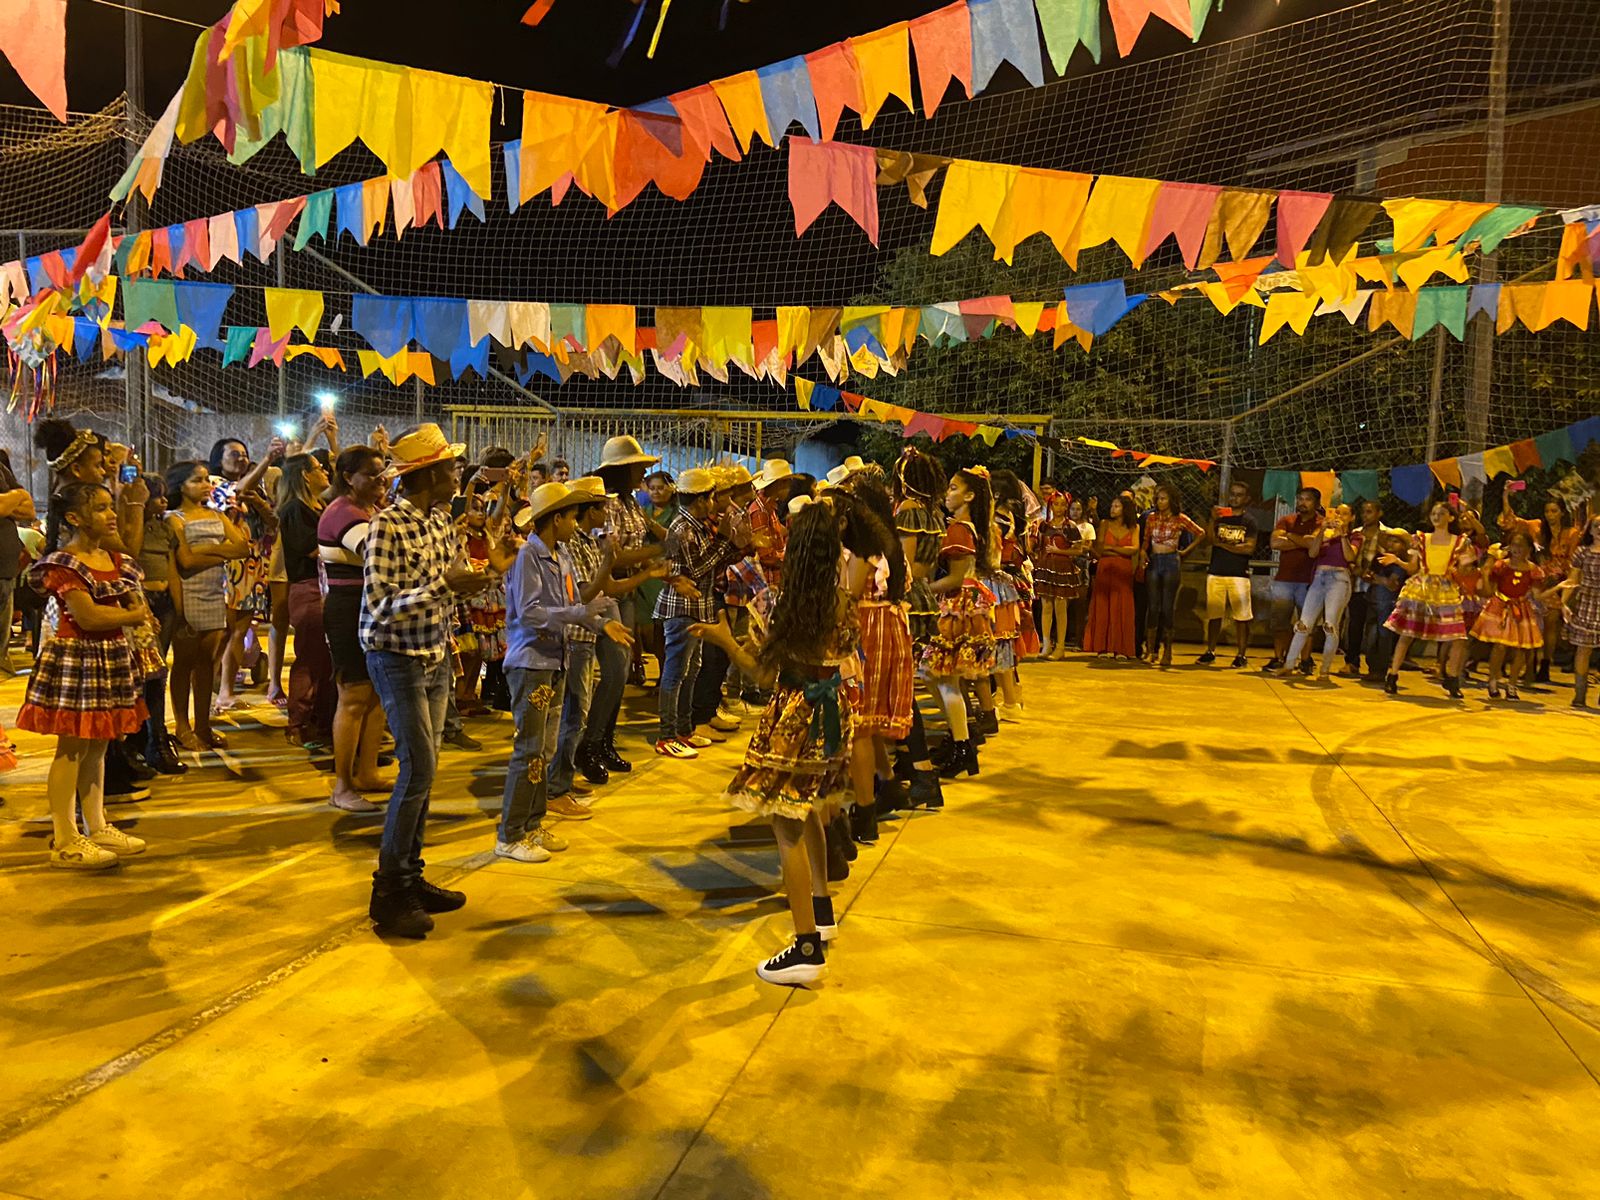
(918, 479)
(963, 647)
(1013, 598)
(1429, 607)
(798, 763)
(1581, 608)
(203, 540)
(86, 686)
(1508, 620)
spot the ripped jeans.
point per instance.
(1326, 601)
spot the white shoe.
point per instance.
(545, 839)
(121, 844)
(522, 852)
(799, 963)
(80, 854)
(695, 742)
(724, 721)
(1011, 712)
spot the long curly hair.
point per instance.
(981, 513)
(865, 533)
(919, 477)
(807, 610)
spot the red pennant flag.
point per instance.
(1299, 213)
(943, 41)
(836, 84)
(820, 172)
(93, 246)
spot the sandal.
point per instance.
(210, 738)
(279, 702)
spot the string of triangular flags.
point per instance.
(322, 102)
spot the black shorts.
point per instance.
(341, 624)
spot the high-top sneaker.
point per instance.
(800, 964)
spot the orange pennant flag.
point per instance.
(747, 112)
(1128, 18)
(835, 84)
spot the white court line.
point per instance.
(172, 914)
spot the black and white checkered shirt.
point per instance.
(406, 605)
(698, 554)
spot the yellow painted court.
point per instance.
(1187, 934)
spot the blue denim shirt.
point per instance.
(539, 606)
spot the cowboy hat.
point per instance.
(591, 487)
(623, 450)
(424, 446)
(549, 498)
(774, 470)
(853, 463)
(696, 481)
(836, 477)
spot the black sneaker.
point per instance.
(1273, 664)
(435, 899)
(822, 910)
(1306, 666)
(1239, 660)
(462, 740)
(588, 761)
(399, 914)
(800, 964)
(1206, 659)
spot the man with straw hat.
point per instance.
(699, 547)
(740, 585)
(412, 575)
(767, 529)
(541, 601)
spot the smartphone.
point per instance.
(1226, 512)
(492, 474)
(1517, 485)
(128, 473)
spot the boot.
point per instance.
(888, 795)
(989, 722)
(128, 750)
(902, 763)
(609, 756)
(965, 759)
(398, 912)
(839, 830)
(864, 824)
(1391, 684)
(943, 752)
(163, 755)
(588, 761)
(838, 861)
(925, 791)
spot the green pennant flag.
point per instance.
(1445, 306)
(314, 219)
(145, 300)
(240, 339)
(1069, 23)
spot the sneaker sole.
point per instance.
(80, 865)
(797, 976)
(527, 862)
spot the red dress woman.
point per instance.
(1109, 628)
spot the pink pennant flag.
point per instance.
(1298, 216)
(282, 217)
(427, 195)
(266, 348)
(820, 172)
(1182, 210)
(33, 36)
(1128, 18)
(943, 42)
(197, 241)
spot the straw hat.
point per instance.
(591, 487)
(732, 475)
(696, 481)
(837, 476)
(623, 451)
(423, 447)
(853, 463)
(774, 470)
(548, 498)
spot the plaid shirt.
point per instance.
(582, 557)
(625, 528)
(406, 606)
(764, 524)
(697, 554)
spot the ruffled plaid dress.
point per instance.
(1429, 606)
(799, 754)
(963, 645)
(1584, 627)
(89, 685)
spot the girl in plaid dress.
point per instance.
(1429, 605)
(1581, 608)
(87, 686)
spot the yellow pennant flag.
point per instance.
(794, 322)
(990, 434)
(973, 196)
(1333, 281)
(802, 392)
(291, 308)
(1565, 300)
(1397, 308)
(1037, 201)
(1415, 220)
(1119, 210)
(1499, 461)
(1028, 317)
(1293, 309)
(1414, 272)
(747, 112)
(612, 320)
(883, 59)
(373, 363)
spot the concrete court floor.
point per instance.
(1190, 933)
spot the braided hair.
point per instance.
(919, 477)
(804, 618)
(981, 513)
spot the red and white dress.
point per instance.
(888, 661)
(1508, 617)
(87, 684)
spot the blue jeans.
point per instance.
(1287, 600)
(574, 712)
(678, 674)
(1325, 603)
(1381, 639)
(606, 703)
(1161, 580)
(414, 694)
(536, 707)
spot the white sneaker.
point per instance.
(545, 839)
(119, 843)
(801, 963)
(725, 721)
(1011, 712)
(80, 854)
(522, 852)
(695, 742)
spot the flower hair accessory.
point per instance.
(980, 472)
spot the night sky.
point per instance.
(567, 53)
